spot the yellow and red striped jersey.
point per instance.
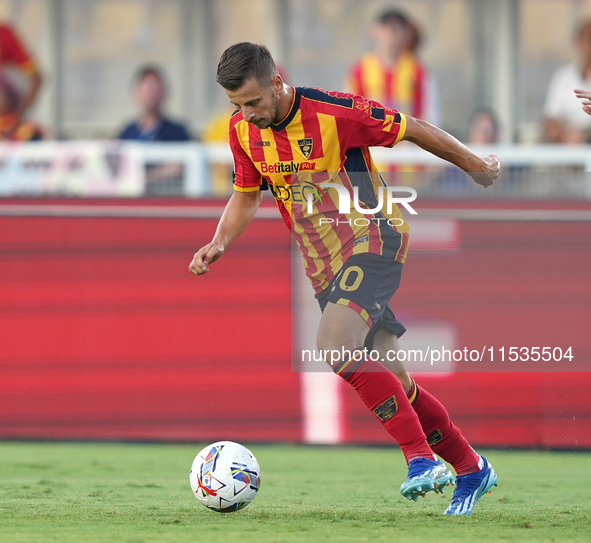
(400, 86)
(325, 138)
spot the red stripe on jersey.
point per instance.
(357, 80)
(285, 214)
(375, 233)
(307, 259)
(305, 250)
(375, 238)
(312, 130)
(345, 231)
(373, 230)
(283, 147)
(419, 81)
(401, 254)
(254, 135)
(389, 79)
(315, 239)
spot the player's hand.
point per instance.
(490, 171)
(586, 97)
(205, 256)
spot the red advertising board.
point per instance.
(106, 335)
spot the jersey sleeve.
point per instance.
(369, 124)
(13, 52)
(246, 177)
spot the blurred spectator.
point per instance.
(14, 55)
(392, 73)
(152, 125)
(564, 122)
(483, 127)
(12, 127)
(162, 178)
(216, 131)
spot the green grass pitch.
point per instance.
(71, 492)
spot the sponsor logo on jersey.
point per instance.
(262, 144)
(287, 167)
(300, 192)
(363, 105)
(383, 194)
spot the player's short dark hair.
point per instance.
(243, 61)
(391, 15)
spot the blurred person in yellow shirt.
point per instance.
(392, 73)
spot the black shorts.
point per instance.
(366, 283)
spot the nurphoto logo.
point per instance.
(383, 193)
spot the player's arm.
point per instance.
(438, 142)
(238, 214)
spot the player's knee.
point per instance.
(335, 349)
(330, 340)
(405, 380)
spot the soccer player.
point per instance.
(353, 260)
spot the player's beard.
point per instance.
(266, 122)
(261, 124)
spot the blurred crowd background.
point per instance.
(498, 54)
(106, 335)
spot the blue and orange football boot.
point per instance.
(425, 475)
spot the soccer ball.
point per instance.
(225, 476)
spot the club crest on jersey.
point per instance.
(306, 146)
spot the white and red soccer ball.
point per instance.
(225, 476)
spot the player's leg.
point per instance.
(444, 437)
(475, 475)
(342, 330)
(356, 298)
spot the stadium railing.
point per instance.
(123, 169)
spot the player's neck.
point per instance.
(285, 102)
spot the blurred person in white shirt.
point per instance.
(564, 122)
